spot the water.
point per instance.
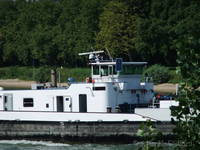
(39, 145)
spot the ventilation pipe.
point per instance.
(54, 78)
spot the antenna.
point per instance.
(93, 56)
(88, 53)
(109, 53)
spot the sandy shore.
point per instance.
(165, 88)
(16, 83)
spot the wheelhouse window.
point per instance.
(104, 71)
(95, 70)
(132, 69)
(111, 70)
(28, 102)
(114, 70)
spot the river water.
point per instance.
(39, 145)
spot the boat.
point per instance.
(114, 92)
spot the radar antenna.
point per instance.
(109, 54)
(93, 56)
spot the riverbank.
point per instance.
(165, 88)
(22, 84)
(16, 83)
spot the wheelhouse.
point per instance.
(109, 68)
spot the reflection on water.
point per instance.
(39, 145)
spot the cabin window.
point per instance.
(114, 70)
(47, 105)
(132, 69)
(104, 71)
(99, 88)
(111, 70)
(95, 70)
(28, 102)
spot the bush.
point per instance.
(14, 72)
(175, 76)
(79, 74)
(159, 74)
(42, 74)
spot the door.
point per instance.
(8, 102)
(68, 103)
(1, 102)
(60, 106)
(82, 103)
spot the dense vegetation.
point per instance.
(188, 111)
(42, 74)
(52, 33)
(47, 32)
(158, 73)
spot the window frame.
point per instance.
(28, 102)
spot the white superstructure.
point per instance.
(112, 87)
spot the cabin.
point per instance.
(114, 86)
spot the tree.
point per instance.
(117, 30)
(79, 25)
(187, 43)
(1, 48)
(48, 32)
(154, 38)
(8, 15)
(86, 24)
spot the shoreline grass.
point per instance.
(42, 74)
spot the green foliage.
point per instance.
(52, 33)
(23, 73)
(155, 36)
(159, 74)
(148, 134)
(79, 74)
(117, 30)
(42, 74)
(188, 43)
(175, 77)
(47, 32)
